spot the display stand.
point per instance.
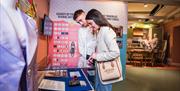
(82, 76)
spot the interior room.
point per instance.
(146, 34)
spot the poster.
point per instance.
(63, 45)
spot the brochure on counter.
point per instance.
(52, 85)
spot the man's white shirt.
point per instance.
(86, 44)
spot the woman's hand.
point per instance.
(91, 59)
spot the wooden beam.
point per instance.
(144, 17)
(138, 12)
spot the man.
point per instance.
(145, 42)
(18, 42)
(86, 39)
(154, 41)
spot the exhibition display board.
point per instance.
(63, 44)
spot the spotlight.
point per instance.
(145, 5)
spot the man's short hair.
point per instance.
(77, 13)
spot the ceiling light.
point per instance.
(145, 5)
(161, 20)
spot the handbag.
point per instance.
(110, 71)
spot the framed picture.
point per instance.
(47, 26)
(119, 31)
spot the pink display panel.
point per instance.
(63, 45)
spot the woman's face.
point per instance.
(93, 25)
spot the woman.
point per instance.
(107, 48)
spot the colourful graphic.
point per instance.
(63, 45)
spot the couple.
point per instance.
(105, 37)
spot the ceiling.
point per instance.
(154, 12)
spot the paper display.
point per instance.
(75, 73)
(91, 72)
(52, 85)
(56, 73)
(83, 83)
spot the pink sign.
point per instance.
(63, 45)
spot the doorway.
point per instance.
(176, 45)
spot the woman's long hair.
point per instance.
(98, 18)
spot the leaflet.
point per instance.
(52, 85)
(75, 73)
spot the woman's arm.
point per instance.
(109, 37)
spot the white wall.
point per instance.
(114, 8)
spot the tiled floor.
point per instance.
(150, 79)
